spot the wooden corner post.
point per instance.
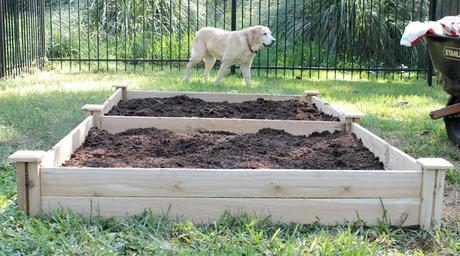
(124, 90)
(434, 170)
(28, 180)
(351, 118)
(309, 96)
(94, 110)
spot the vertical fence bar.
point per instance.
(260, 21)
(106, 35)
(18, 41)
(161, 44)
(143, 35)
(293, 38)
(42, 35)
(179, 35)
(97, 34)
(303, 40)
(116, 35)
(79, 35)
(188, 28)
(285, 36)
(51, 32)
(60, 32)
(133, 52)
(268, 49)
(224, 14)
(310, 39)
(242, 14)
(2, 41)
(277, 37)
(429, 72)
(126, 34)
(170, 34)
(70, 33)
(353, 35)
(8, 49)
(319, 41)
(88, 36)
(233, 27)
(154, 30)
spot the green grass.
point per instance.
(37, 110)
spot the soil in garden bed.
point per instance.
(183, 106)
(268, 148)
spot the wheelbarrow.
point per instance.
(445, 56)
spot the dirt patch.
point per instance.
(268, 148)
(183, 106)
(451, 210)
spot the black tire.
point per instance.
(453, 123)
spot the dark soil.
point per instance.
(268, 148)
(183, 106)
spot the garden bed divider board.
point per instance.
(408, 193)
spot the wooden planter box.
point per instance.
(409, 192)
(115, 124)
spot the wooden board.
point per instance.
(398, 160)
(392, 158)
(112, 101)
(140, 182)
(328, 211)
(211, 96)
(328, 109)
(447, 111)
(65, 147)
(114, 124)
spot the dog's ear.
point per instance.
(253, 34)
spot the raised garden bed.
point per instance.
(129, 109)
(268, 148)
(408, 192)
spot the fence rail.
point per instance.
(330, 38)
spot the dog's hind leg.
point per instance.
(190, 65)
(209, 62)
(198, 53)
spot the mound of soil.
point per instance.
(268, 148)
(183, 106)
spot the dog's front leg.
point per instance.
(246, 70)
(222, 69)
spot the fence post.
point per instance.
(429, 72)
(233, 27)
(41, 61)
(2, 42)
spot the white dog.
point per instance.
(230, 47)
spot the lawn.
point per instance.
(37, 110)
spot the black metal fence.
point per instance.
(22, 36)
(323, 38)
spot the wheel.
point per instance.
(453, 122)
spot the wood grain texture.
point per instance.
(230, 183)
(392, 158)
(115, 124)
(112, 100)
(65, 147)
(328, 211)
(211, 96)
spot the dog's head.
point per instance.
(261, 35)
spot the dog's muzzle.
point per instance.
(270, 45)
